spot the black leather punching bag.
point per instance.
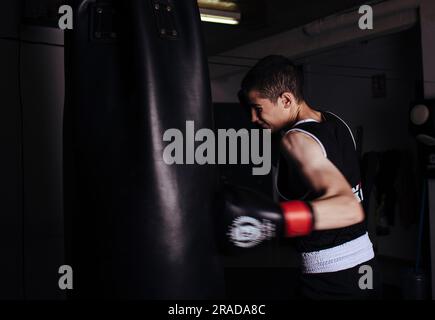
(138, 228)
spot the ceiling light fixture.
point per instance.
(216, 11)
(216, 16)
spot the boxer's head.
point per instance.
(273, 91)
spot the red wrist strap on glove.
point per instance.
(299, 219)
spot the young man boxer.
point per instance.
(318, 183)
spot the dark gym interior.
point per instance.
(63, 158)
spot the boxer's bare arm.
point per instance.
(337, 206)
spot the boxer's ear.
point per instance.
(287, 99)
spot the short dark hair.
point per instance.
(272, 76)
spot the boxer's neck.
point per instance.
(306, 112)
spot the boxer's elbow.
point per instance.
(349, 211)
(355, 212)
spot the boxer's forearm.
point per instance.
(337, 211)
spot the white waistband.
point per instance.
(344, 256)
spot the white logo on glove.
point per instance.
(247, 232)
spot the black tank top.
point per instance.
(338, 145)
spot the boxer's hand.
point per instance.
(246, 218)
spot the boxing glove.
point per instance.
(247, 218)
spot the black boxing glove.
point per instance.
(247, 218)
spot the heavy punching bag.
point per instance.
(137, 227)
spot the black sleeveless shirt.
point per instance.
(338, 145)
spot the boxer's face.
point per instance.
(267, 114)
